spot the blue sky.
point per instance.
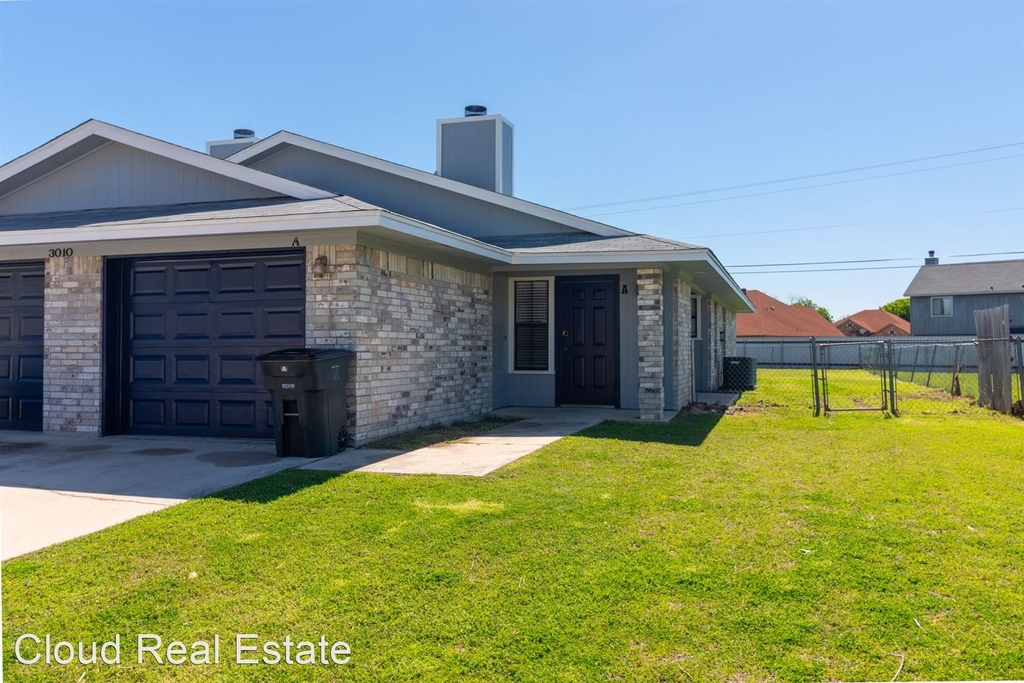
(611, 102)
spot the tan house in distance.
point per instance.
(874, 323)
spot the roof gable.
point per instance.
(874, 320)
(281, 141)
(983, 277)
(772, 318)
(97, 165)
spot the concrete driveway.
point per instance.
(55, 488)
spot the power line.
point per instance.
(820, 270)
(792, 179)
(806, 187)
(876, 260)
(852, 225)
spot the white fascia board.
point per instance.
(183, 229)
(190, 157)
(514, 203)
(666, 257)
(486, 117)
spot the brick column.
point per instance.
(651, 338)
(73, 345)
(683, 346)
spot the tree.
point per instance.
(900, 307)
(807, 303)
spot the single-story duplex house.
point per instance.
(943, 298)
(139, 279)
(873, 322)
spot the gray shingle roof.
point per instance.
(140, 215)
(585, 243)
(987, 277)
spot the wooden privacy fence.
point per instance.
(995, 384)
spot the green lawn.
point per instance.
(763, 545)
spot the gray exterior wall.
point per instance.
(117, 175)
(451, 211)
(962, 320)
(468, 152)
(515, 389)
(507, 166)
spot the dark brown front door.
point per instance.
(586, 340)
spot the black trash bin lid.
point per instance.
(303, 354)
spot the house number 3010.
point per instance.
(61, 252)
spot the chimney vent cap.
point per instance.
(476, 110)
(244, 133)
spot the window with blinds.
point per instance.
(531, 325)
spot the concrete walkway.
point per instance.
(476, 456)
(55, 488)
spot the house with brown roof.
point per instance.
(874, 323)
(772, 318)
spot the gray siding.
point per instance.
(507, 166)
(468, 150)
(118, 175)
(459, 213)
(511, 389)
(962, 320)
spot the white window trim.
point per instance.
(700, 303)
(931, 304)
(511, 335)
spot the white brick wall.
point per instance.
(421, 332)
(73, 345)
(651, 341)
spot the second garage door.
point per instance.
(190, 331)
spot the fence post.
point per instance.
(814, 380)
(931, 366)
(956, 375)
(894, 370)
(913, 370)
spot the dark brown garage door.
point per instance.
(191, 328)
(21, 346)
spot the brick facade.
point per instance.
(651, 341)
(73, 345)
(421, 332)
(682, 345)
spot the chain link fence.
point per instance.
(909, 375)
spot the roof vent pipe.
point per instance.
(476, 110)
(931, 260)
(244, 133)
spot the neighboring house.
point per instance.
(873, 322)
(138, 280)
(772, 318)
(943, 298)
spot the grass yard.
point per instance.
(765, 545)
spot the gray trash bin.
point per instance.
(307, 387)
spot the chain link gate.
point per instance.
(839, 380)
